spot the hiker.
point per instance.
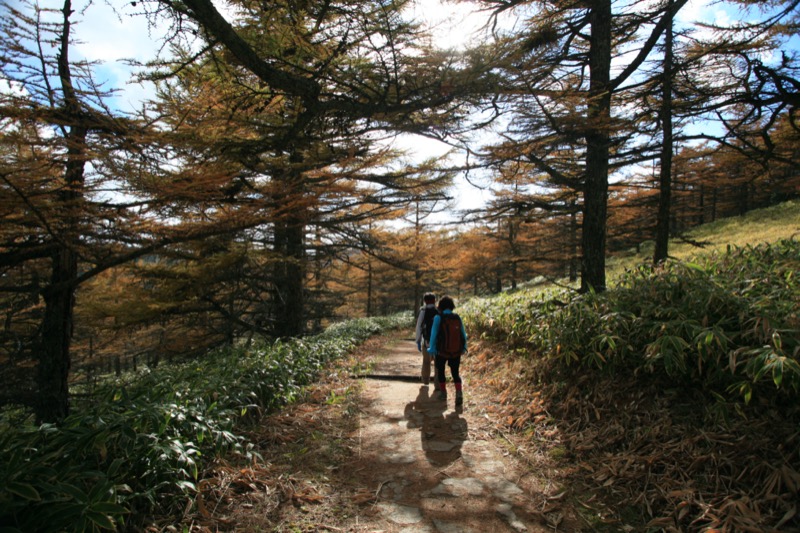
(448, 342)
(424, 323)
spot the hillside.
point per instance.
(759, 226)
(671, 400)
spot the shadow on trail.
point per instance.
(441, 436)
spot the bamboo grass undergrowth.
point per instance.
(140, 445)
(727, 322)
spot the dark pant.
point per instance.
(453, 363)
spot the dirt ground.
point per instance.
(376, 453)
(437, 467)
(373, 452)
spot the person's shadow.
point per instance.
(441, 436)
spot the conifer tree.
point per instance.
(317, 85)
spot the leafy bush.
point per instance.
(728, 321)
(144, 441)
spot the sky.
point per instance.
(110, 38)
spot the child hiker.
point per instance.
(448, 342)
(424, 323)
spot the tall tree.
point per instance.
(565, 53)
(665, 182)
(323, 80)
(76, 183)
(57, 130)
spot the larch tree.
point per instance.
(563, 94)
(716, 75)
(58, 137)
(324, 80)
(74, 193)
(665, 165)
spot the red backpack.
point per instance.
(449, 342)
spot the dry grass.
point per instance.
(637, 455)
(766, 225)
(297, 484)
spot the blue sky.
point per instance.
(109, 32)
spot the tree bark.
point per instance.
(57, 329)
(59, 295)
(573, 243)
(595, 202)
(665, 182)
(289, 274)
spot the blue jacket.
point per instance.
(435, 332)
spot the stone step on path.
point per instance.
(430, 471)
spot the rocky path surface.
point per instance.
(436, 467)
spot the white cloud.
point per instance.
(110, 34)
(454, 25)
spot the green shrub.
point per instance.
(727, 321)
(142, 443)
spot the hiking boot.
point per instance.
(459, 398)
(441, 395)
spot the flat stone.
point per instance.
(503, 488)
(508, 513)
(459, 487)
(400, 514)
(399, 457)
(488, 467)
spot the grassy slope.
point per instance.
(639, 452)
(760, 226)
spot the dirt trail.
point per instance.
(436, 467)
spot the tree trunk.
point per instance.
(595, 202)
(59, 295)
(418, 262)
(369, 288)
(713, 204)
(665, 183)
(290, 267)
(702, 206)
(573, 243)
(295, 279)
(54, 353)
(289, 274)
(512, 244)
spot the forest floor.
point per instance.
(615, 453)
(378, 453)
